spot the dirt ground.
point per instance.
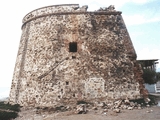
(147, 113)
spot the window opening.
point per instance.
(67, 83)
(73, 47)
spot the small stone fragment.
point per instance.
(105, 113)
(81, 109)
(148, 111)
(130, 108)
(127, 101)
(105, 110)
(117, 110)
(147, 100)
(95, 108)
(148, 105)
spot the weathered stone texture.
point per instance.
(48, 73)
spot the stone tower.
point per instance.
(67, 54)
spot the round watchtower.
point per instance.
(67, 54)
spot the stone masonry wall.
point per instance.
(49, 73)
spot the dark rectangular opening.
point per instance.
(67, 83)
(73, 57)
(73, 47)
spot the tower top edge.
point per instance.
(64, 8)
(51, 8)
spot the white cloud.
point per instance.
(120, 3)
(93, 4)
(4, 93)
(146, 53)
(137, 19)
(141, 1)
(134, 19)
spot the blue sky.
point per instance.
(143, 23)
(142, 18)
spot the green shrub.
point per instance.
(8, 111)
(7, 106)
(143, 103)
(8, 115)
(149, 76)
(158, 76)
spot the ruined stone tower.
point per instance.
(67, 54)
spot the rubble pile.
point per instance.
(115, 106)
(98, 107)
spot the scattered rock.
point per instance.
(118, 103)
(147, 105)
(148, 111)
(124, 107)
(117, 110)
(130, 108)
(81, 109)
(127, 102)
(113, 113)
(132, 104)
(94, 108)
(147, 100)
(109, 8)
(101, 105)
(68, 107)
(105, 113)
(105, 110)
(138, 105)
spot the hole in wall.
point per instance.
(73, 57)
(73, 47)
(67, 83)
(62, 90)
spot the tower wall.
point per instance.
(67, 54)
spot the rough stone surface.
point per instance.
(68, 54)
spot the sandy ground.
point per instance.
(147, 113)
